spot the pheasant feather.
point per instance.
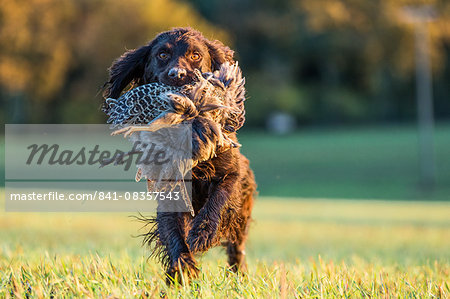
(216, 97)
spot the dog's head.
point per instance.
(170, 58)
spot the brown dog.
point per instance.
(223, 187)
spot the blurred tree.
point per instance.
(54, 53)
(356, 57)
(323, 61)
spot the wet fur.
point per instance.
(223, 187)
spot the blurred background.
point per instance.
(331, 109)
(348, 133)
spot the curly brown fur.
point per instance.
(223, 186)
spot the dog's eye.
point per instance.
(163, 55)
(195, 56)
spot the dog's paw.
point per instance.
(202, 235)
(182, 270)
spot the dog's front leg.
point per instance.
(203, 234)
(172, 228)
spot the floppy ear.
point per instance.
(125, 69)
(219, 54)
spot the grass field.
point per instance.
(306, 248)
(368, 162)
(298, 248)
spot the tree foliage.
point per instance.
(349, 60)
(54, 53)
(323, 61)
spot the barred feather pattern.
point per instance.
(229, 79)
(219, 96)
(140, 105)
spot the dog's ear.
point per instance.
(219, 54)
(127, 68)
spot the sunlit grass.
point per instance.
(371, 163)
(297, 248)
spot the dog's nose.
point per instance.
(177, 73)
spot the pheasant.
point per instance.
(221, 94)
(217, 97)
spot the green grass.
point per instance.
(306, 248)
(297, 248)
(368, 163)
